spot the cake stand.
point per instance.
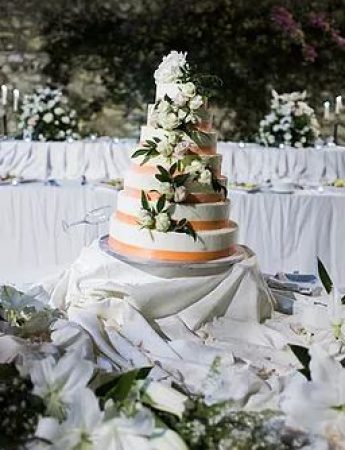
(174, 269)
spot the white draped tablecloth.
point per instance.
(95, 159)
(107, 158)
(289, 231)
(32, 239)
(256, 164)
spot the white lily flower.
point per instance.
(317, 405)
(79, 430)
(58, 382)
(164, 398)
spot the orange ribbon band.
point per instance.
(166, 255)
(198, 197)
(199, 225)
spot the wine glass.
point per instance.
(94, 217)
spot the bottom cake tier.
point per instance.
(136, 242)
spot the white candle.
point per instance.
(15, 99)
(326, 110)
(338, 104)
(4, 91)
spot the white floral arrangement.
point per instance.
(291, 122)
(46, 116)
(172, 68)
(93, 383)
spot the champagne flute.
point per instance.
(94, 217)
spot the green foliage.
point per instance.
(214, 427)
(123, 41)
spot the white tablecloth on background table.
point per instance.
(32, 240)
(103, 158)
(289, 231)
(257, 164)
(107, 158)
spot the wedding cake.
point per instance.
(174, 205)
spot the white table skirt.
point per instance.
(289, 231)
(32, 240)
(103, 158)
(106, 158)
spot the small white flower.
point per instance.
(58, 111)
(180, 194)
(48, 117)
(188, 89)
(165, 398)
(205, 177)
(145, 219)
(196, 102)
(163, 222)
(65, 119)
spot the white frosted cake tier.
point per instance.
(216, 213)
(132, 240)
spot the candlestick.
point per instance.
(15, 99)
(338, 104)
(4, 91)
(326, 110)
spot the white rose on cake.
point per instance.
(163, 107)
(205, 177)
(188, 89)
(58, 111)
(169, 121)
(167, 190)
(145, 219)
(196, 102)
(179, 99)
(180, 194)
(173, 137)
(164, 148)
(170, 69)
(163, 222)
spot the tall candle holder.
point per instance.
(6, 109)
(333, 119)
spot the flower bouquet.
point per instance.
(291, 122)
(46, 116)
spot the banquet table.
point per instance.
(289, 231)
(33, 242)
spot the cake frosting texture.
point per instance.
(174, 205)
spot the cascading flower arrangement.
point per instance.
(291, 122)
(47, 116)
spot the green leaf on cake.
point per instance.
(139, 152)
(161, 178)
(172, 169)
(161, 203)
(324, 277)
(144, 202)
(164, 172)
(200, 138)
(180, 180)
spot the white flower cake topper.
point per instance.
(171, 68)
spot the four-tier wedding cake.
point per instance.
(174, 205)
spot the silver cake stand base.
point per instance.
(178, 269)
